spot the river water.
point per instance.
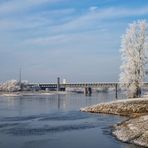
(55, 121)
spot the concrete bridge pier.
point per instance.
(87, 91)
(116, 91)
(58, 84)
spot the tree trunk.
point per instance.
(134, 93)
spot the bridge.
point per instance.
(75, 85)
(87, 87)
(78, 85)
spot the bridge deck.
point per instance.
(75, 85)
(80, 85)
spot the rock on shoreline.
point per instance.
(134, 130)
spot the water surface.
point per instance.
(55, 121)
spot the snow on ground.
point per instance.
(135, 130)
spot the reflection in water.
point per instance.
(55, 121)
(58, 97)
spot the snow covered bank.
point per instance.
(127, 107)
(135, 130)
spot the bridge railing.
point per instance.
(80, 85)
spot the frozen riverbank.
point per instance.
(135, 130)
(15, 94)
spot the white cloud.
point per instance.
(48, 40)
(93, 8)
(95, 16)
(85, 20)
(19, 5)
(38, 20)
(58, 12)
(45, 30)
(75, 41)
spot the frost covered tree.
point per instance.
(133, 54)
(14, 86)
(10, 86)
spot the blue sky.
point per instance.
(75, 39)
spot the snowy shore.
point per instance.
(17, 94)
(135, 129)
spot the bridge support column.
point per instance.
(116, 90)
(87, 91)
(58, 84)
